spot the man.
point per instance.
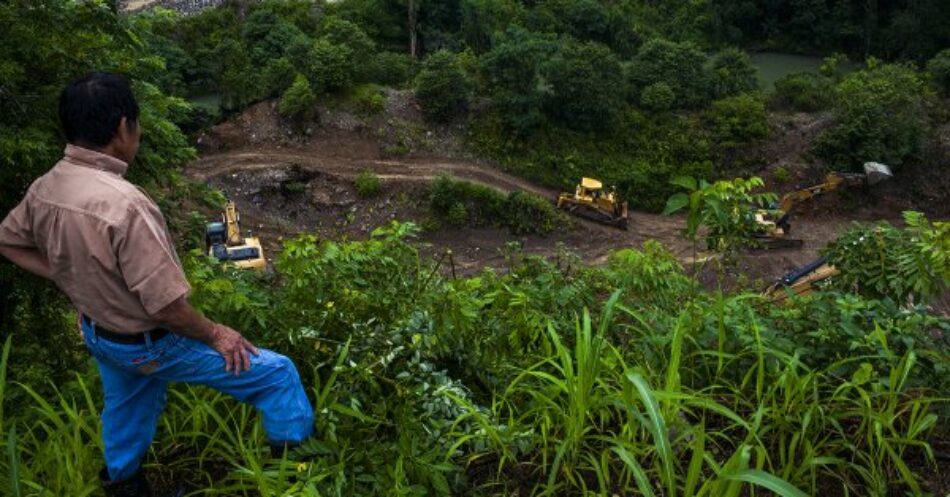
(106, 246)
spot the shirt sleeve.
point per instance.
(148, 261)
(16, 229)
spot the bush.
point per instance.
(679, 65)
(367, 184)
(460, 203)
(651, 276)
(939, 69)
(881, 261)
(369, 99)
(512, 72)
(738, 120)
(585, 86)
(442, 87)
(731, 72)
(805, 92)
(657, 97)
(277, 76)
(390, 68)
(297, 101)
(330, 66)
(880, 117)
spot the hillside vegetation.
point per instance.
(549, 377)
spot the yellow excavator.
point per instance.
(225, 243)
(801, 281)
(592, 201)
(774, 225)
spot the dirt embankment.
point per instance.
(291, 179)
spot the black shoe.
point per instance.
(134, 486)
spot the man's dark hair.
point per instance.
(91, 107)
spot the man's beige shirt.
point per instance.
(106, 242)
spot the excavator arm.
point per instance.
(832, 182)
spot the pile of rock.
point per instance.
(182, 6)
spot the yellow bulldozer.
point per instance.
(801, 281)
(592, 201)
(774, 225)
(224, 241)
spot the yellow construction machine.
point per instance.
(592, 201)
(225, 242)
(801, 281)
(774, 225)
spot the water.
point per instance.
(773, 66)
(212, 101)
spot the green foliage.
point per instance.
(369, 99)
(805, 92)
(781, 174)
(459, 203)
(391, 68)
(279, 74)
(442, 86)
(297, 102)
(584, 79)
(679, 65)
(939, 69)
(738, 120)
(731, 73)
(879, 117)
(512, 70)
(651, 276)
(367, 184)
(882, 261)
(725, 208)
(330, 66)
(657, 97)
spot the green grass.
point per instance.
(549, 380)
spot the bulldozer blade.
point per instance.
(877, 172)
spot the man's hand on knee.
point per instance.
(182, 319)
(235, 349)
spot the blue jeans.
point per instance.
(135, 378)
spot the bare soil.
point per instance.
(290, 178)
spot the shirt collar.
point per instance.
(96, 160)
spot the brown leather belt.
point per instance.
(127, 338)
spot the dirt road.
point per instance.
(329, 206)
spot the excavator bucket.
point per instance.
(877, 172)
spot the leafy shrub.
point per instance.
(939, 69)
(298, 100)
(441, 86)
(881, 261)
(513, 76)
(390, 68)
(725, 208)
(460, 203)
(731, 73)
(369, 99)
(278, 75)
(880, 117)
(650, 276)
(342, 33)
(657, 97)
(805, 92)
(529, 213)
(367, 184)
(584, 80)
(781, 174)
(330, 66)
(738, 120)
(679, 65)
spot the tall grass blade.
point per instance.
(657, 428)
(765, 480)
(14, 461)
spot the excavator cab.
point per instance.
(592, 201)
(224, 242)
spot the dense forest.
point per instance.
(551, 377)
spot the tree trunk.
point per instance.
(413, 34)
